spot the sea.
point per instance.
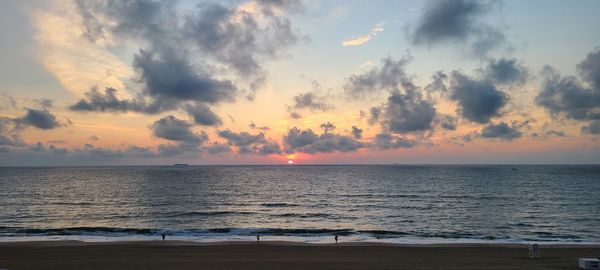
(311, 204)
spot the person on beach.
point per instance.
(336, 238)
(257, 237)
(163, 236)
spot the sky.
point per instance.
(317, 82)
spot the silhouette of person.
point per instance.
(163, 235)
(336, 238)
(257, 237)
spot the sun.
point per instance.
(290, 162)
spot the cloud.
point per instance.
(328, 127)
(357, 132)
(501, 131)
(360, 40)
(506, 71)
(38, 154)
(592, 128)
(174, 129)
(388, 77)
(253, 125)
(567, 96)
(570, 97)
(202, 115)
(241, 37)
(555, 133)
(589, 69)
(306, 141)
(62, 46)
(311, 101)
(202, 56)
(109, 102)
(457, 21)
(405, 111)
(251, 144)
(375, 113)
(38, 118)
(478, 100)
(295, 115)
(447, 122)
(438, 83)
(169, 76)
(242, 138)
(41, 119)
(217, 148)
(387, 141)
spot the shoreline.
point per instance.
(51, 242)
(174, 254)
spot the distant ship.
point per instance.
(180, 165)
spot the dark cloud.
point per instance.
(242, 138)
(457, 21)
(438, 82)
(295, 115)
(388, 77)
(202, 115)
(307, 141)
(357, 132)
(565, 95)
(592, 128)
(200, 56)
(405, 111)
(41, 119)
(328, 127)
(167, 75)
(310, 101)
(109, 102)
(555, 133)
(447, 122)
(569, 97)
(174, 129)
(506, 71)
(375, 114)
(238, 39)
(94, 138)
(251, 144)
(296, 138)
(589, 69)
(478, 100)
(388, 141)
(268, 148)
(501, 131)
(217, 148)
(253, 125)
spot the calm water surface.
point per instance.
(303, 203)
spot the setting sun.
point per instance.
(290, 162)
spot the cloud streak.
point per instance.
(360, 40)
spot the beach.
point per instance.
(283, 255)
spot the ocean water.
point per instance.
(400, 204)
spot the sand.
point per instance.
(281, 255)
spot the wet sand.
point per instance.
(282, 255)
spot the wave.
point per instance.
(232, 233)
(278, 204)
(208, 213)
(303, 215)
